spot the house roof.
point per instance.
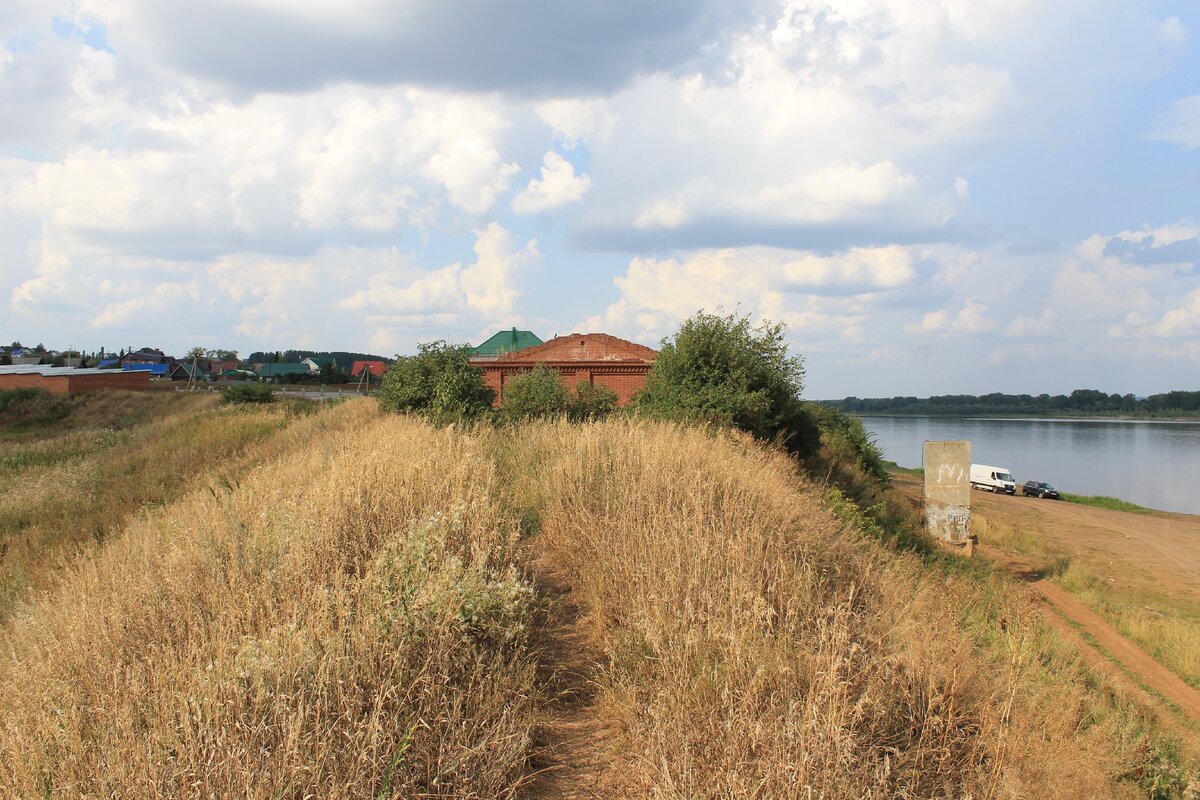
(187, 370)
(153, 369)
(579, 347)
(376, 368)
(509, 341)
(275, 370)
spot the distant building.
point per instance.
(375, 368)
(184, 372)
(280, 370)
(68, 380)
(160, 370)
(147, 355)
(595, 358)
(218, 365)
(502, 343)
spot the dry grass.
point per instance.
(350, 620)
(72, 484)
(758, 647)
(344, 622)
(1168, 628)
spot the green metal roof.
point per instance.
(509, 341)
(275, 370)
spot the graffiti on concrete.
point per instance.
(948, 490)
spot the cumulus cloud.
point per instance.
(487, 289)
(524, 46)
(557, 186)
(822, 296)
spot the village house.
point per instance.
(375, 370)
(594, 358)
(502, 343)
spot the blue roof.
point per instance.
(153, 369)
(108, 362)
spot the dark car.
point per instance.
(1039, 489)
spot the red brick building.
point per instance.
(65, 380)
(594, 358)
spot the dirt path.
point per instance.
(577, 748)
(1149, 672)
(1155, 551)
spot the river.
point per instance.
(1151, 463)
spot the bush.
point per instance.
(591, 402)
(723, 370)
(438, 382)
(536, 394)
(33, 407)
(248, 393)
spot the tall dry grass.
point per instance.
(759, 646)
(349, 623)
(349, 619)
(117, 454)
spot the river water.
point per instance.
(1154, 464)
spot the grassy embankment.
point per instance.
(76, 469)
(1101, 501)
(361, 616)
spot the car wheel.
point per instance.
(1042, 495)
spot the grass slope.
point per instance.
(359, 615)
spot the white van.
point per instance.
(994, 479)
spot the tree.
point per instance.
(222, 355)
(724, 370)
(195, 354)
(438, 382)
(5, 359)
(537, 394)
(330, 374)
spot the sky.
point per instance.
(936, 196)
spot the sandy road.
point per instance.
(1155, 550)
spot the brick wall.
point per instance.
(117, 380)
(625, 380)
(69, 384)
(595, 358)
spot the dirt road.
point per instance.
(1154, 551)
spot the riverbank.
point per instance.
(1139, 572)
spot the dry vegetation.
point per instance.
(1165, 626)
(343, 622)
(758, 646)
(71, 484)
(364, 615)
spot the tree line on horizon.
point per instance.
(1080, 401)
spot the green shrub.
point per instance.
(438, 382)
(10, 396)
(248, 393)
(32, 407)
(537, 394)
(591, 402)
(723, 370)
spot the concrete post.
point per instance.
(948, 492)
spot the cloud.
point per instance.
(557, 186)
(527, 47)
(971, 317)
(487, 289)
(1180, 124)
(821, 296)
